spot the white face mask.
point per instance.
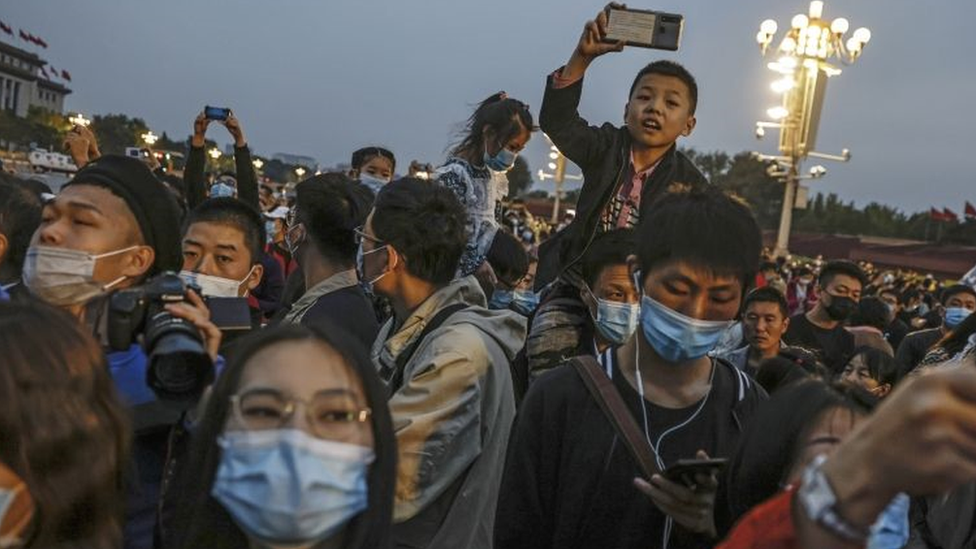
(215, 286)
(64, 277)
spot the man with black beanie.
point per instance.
(111, 227)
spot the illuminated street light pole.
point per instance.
(79, 120)
(557, 163)
(802, 63)
(150, 138)
(299, 171)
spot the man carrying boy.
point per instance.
(625, 170)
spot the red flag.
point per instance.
(40, 42)
(950, 215)
(44, 72)
(936, 215)
(970, 211)
(6, 28)
(24, 35)
(66, 75)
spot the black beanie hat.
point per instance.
(151, 203)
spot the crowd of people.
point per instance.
(374, 361)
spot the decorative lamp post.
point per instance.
(803, 62)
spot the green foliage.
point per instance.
(746, 177)
(115, 132)
(519, 178)
(44, 128)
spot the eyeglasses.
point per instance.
(330, 415)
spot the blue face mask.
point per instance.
(615, 321)
(361, 267)
(284, 486)
(501, 299)
(525, 302)
(375, 184)
(503, 160)
(270, 229)
(678, 338)
(955, 315)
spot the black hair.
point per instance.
(670, 68)
(842, 267)
(20, 215)
(803, 271)
(230, 211)
(705, 228)
(957, 289)
(426, 224)
(792, 364)
(361, 156)
(508, 117)
(873, 312)
(507, 258)
(332, 206)
(882, 366)
(772, 442)
(767, 294)
(768, 266)
(37, 187)
(204, 520)
(607, 249)
(909, 295)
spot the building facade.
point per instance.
(22, 85)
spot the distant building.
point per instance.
(22, 85)
(297, 160)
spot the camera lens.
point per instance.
(179, 366)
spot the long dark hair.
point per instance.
(770, 445)
(208, 524)
(508, 117)
(62, 428)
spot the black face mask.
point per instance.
(841, 308)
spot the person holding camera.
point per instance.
(196, 161)
(112, 228)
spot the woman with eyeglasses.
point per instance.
(295, 448)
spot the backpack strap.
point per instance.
(605, 394)
(404, 357)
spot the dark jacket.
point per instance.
(603, 153)
(914, 347)
(946, 521)
(196, 188)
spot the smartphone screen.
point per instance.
(216, 113)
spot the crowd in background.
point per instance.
(366, 360)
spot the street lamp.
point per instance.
(557, 163)
(802, 60)
(150, 138)
(214, 153)
(258, 163)
(299, 171)
(79, 120)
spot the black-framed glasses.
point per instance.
(330, 414)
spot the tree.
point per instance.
(164, 143)
(519, 178)
(43, 128)
(115, 132)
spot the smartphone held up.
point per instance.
(644, 28)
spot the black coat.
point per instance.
(603, 153)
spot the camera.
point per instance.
(179, 367)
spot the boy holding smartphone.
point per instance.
(625, 170)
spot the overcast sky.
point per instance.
(323, 77)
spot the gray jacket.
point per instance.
(452, 417)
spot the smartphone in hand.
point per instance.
(219, 114)
(684, 471)
(644, 28)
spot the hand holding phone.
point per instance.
(685, 471)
